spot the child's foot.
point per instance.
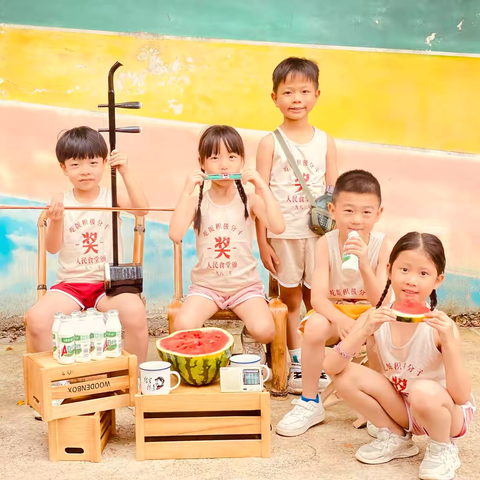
(303, 416)
(440, 461)
(252, 347)
(295, 379)
(372, 429)
(386, 447)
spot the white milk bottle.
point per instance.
(99, 337)
(82, 339)
(66, 341)
(114, 334)
(57, 318)
(91, 317)
(350, 261)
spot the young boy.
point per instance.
(289, 256)
(339, 299)
(83, 240)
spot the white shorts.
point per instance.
(297, 260)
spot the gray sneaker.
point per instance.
(386, 447)
(440, 461)
(252, 347)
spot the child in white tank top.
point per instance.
(83, 240)
(289, 256)
(425, 389)
(337, 299)
(226, 275)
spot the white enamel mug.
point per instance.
(248, 361)
(156, 378)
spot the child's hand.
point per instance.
(197, 177)
(376, 318)
(442, 323)
(269, 258)
(253, 177)
(358, 247)
(119, 160)
(55, 209)
(344, 327)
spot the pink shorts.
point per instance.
(87, 295)
(415, 428)
(227, 302)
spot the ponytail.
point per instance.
(243, 196)
(384, 294)
(197, 222)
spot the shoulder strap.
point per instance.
(294, 166)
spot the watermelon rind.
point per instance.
(198, 370)
(408, 318)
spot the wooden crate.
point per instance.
(94, 386)
(80, 438)
(202, 422)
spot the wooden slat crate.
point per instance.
(80, 438)
(202, 422)
(94, 386)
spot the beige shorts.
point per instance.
(297, 260)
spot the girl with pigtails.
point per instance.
(425, 389)
(226, 275)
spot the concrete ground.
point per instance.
(325, 451)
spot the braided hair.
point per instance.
(209, 145)
(430, 245)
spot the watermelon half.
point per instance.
(410, 311)
(197, 354)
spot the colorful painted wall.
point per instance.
(399, 84)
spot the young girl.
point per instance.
(425, 389)
(226, 276)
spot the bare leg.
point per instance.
(40, 318)
(434, 409)
(373, 396)
(195, 311)
(307, 298)
(133, 319)
(257, 318)
(292, 298)
(317, 333)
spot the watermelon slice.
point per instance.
(410, 311)
(197, 354)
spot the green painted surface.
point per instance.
(397, 24)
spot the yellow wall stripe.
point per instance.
(390, 98)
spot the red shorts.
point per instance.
(86, 295)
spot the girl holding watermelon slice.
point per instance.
(425, 389)
(226, 275)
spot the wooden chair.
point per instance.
(278, 347)
(138, 241)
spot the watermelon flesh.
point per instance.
(197, 354)
(410, 311)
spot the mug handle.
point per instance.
(269, 373)
(179, 380)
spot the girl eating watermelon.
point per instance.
(425, 389)
(226, 275)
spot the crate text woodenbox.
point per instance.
(94, 386)
(202, 422)
(81, 437)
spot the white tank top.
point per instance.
(343, 290)
(87, 240)
(419, 359)
(311, 160)
(224, 248)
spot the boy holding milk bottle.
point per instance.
(348, 278)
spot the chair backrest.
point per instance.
(273, 288)
(138, 243)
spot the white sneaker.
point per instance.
(323, 382)
(440, 461)
(386, 447)
(295, 379)
(303, 416)
(55, 403)
(372, 429)
(252, 347)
